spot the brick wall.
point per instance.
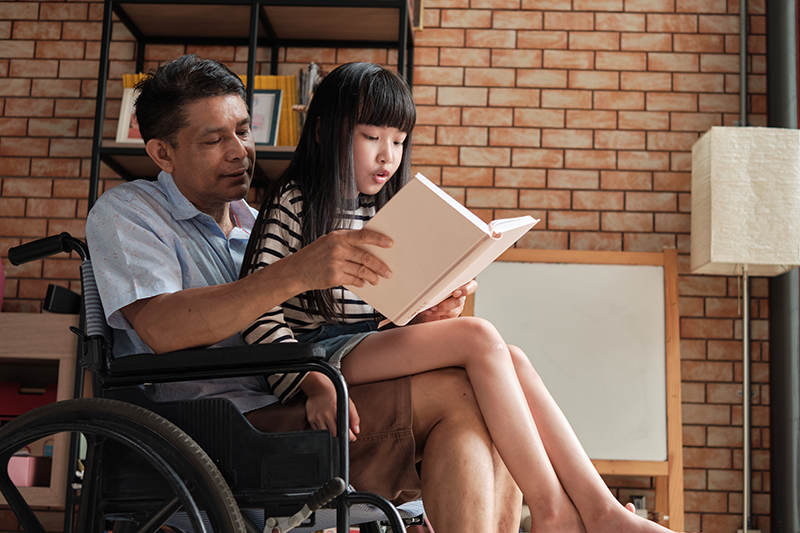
(579, 112)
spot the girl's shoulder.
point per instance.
(290, 193)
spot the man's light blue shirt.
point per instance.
(145, 239)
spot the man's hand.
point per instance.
(452, 307)
(321, 405)
(335, 259)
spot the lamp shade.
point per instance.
(746, 201)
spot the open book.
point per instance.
(439, 245)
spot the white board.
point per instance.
(596, 335)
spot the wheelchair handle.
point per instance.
(41, 248)
(326, 493)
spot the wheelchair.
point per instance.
(195, 465)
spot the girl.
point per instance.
(352, 157)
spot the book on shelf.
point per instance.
(127, 127)
(439, 245)
(289, 120)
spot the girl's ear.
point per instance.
(160, 152)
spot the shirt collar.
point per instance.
(183, 209)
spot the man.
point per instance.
(167, 256)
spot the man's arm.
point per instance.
(206, 315)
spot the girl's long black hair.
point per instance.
(322, 165)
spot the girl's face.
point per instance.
(377, 152)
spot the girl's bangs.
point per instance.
(386, 101)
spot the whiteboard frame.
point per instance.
(668, 474)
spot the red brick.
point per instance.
(462, 57)
(693, 349)
(13, 127)
(637, 120)
(598, 5)
(672, 23)
(72, 188)
(539, 118)
(16, 146)
(36, 30)
(537, 158)
(705, 414)
(706, 328)
(425, 135)
(620, 61)
(651, 6)
(487, 116)
(427, 57)
(707, 83)
(709, 44)
(14, 166)
(646, 81)
(671, 141)
(619, 22)
(467, 177)
(594, 40)
(597, 200)
(438, 75)
(522, 137)
(629, 181)
(648, 242)
(51, 167)
(23, 227)
(671, 102)
(564, 138)
(491, 39)
(56, 88)
(590, 159)
(33, 68)
(12, 207)
(701, 6)
(491, 197)
(727, 393)
(517, 20)
(521, 178)
(465, 18)
(60, 50)
(435, 155)
(719, 24)
(719, 103)
(552, 5)
(619, 140)
(52, 127)
(621, 100)
(70, 148)
(706, 371)
(725, 437)
(672, 181)
(568, 59)
(551, 79)
(610, 242)
(462, 96)
(626, 222)
(490, 4)
(690, 307)
(516, 58)
(565, 99)
(485, 157)
(719, 63)
(462, 136)
(592, 79)
(15, 87)
(502, 97)
(543, 40)
(591, 119)
(50, 208)
(19, 11)
(80, 69)
(544, 199)
(436, 115)
(646, 42)
(673, 62)
(651, 201)
(573, 220)
(706, 502)
(82, 31)
(572, 179)
(568, 21)
(489, 77)
(545, 240)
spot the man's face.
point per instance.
(212, 163)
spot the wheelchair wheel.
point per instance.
(188, 471)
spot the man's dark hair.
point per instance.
(165, 93)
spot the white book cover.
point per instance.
(439, 245)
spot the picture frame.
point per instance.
(128, 128)
(265, 114)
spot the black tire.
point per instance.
(192, 475)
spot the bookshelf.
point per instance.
(44, 339)
(251, 23)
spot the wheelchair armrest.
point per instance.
(186, 365)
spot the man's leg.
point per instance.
(465, 485)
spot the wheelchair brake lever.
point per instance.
(326, 493)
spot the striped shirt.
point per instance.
(279, 238)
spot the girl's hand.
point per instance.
(321, 405)
(452, 307)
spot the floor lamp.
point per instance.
(746, 222)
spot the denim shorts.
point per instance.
(338, 339)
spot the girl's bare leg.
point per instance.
(599, 509)
(475, 345)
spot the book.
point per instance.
(439, 245)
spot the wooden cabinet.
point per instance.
(250, 23)
(45, 339)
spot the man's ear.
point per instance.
(160, 152)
